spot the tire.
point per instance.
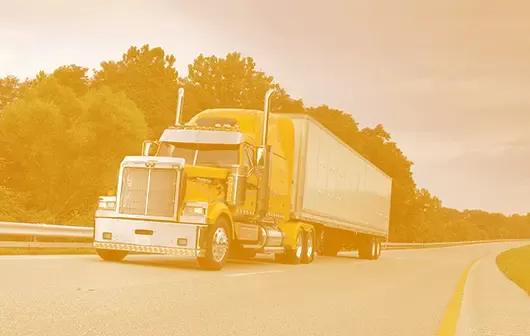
(368, 249)
(308, 253)
(111, 255)
(293, 256)
(217, 246)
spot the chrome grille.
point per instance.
(148, 192)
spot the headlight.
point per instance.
(107, 203)
(195, 209)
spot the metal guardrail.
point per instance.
(48, 230)
(45, 230)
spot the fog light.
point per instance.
(182, 241)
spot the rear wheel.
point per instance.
(309, 250)
(217, 246)
(111, 255)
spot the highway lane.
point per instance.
(404, 293)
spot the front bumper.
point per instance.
(149, 237)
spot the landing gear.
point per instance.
(328, 245)
(370, 249)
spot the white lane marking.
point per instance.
(252, 273)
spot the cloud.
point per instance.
(497, 180)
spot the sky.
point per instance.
(449, 79)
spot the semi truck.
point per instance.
(232, 183)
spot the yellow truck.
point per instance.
(232, 183)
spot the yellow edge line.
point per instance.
(452, 313)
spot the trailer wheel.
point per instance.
(111, 255)
(293, 255)
(217, 246)
(309, 247)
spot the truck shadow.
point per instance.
(191, 264)
(348, 255)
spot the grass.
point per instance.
(43, 251)
(515, 264)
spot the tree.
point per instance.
(148, 77)
(110, 128)
(61, 149)
(9, 90)
(231, 82)
(11, 205)
(74, 77)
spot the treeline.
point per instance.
(63, 135)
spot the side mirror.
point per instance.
(149, 147)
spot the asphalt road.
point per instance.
(404, 293)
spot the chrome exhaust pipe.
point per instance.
(263, 160)
(266, 112)
(180, 104)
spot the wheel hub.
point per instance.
(219, 244)
(310, 244)
(299, 246)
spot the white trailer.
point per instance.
(336, 187)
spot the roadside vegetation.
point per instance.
(514, 263)
(63, 135)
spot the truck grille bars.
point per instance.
(149, 192)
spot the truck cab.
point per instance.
(217, 186)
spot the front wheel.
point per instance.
(217, 246)
(111, 255)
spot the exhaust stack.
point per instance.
(266, 110)
(180, 104)
(266, 116)
(263, 160)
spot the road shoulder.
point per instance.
(492, 304)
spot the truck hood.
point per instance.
(206, 172)
(168, 162)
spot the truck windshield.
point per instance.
(201, 154)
